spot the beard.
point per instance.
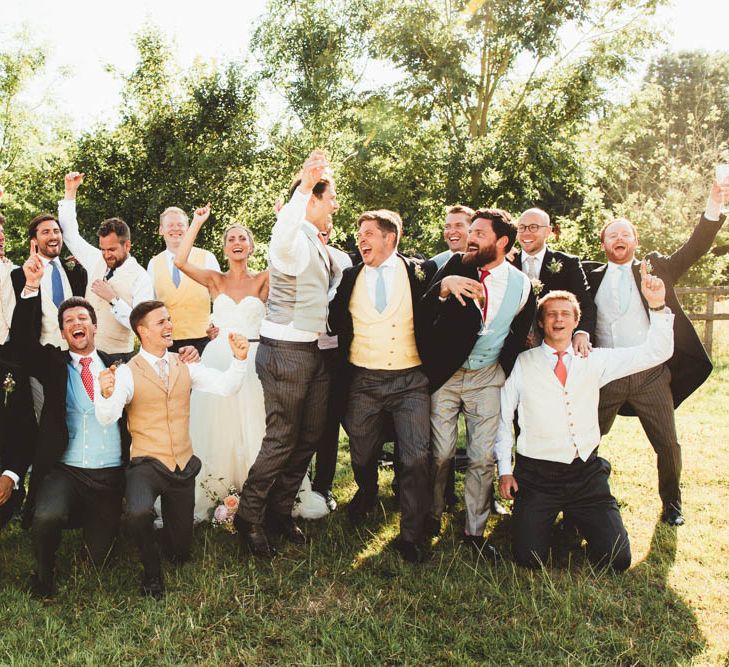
(481, 257)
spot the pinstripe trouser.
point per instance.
(295, 386)
(404, 395)
(649, 392)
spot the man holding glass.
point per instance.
(622, 321)
(482, 309)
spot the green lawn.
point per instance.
(347, 598)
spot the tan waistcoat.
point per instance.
(159, 420)
(386, 340)
(188, 304)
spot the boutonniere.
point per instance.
(648, 266)
(8, 386)
(537, 286)
(70, 263)
(555, 266)
(419, 273)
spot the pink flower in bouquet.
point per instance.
(231, 503)
(221, 513)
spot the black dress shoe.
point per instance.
(432, 526)
(359, 507)
(410, 551)
(330, 500)
(42, 588)
(153, 586)
(481, 546)
(284, 525)
(672, 515)
(254, 537)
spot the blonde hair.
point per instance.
(173, 209)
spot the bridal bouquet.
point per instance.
(225, 510)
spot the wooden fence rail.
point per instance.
(709, 316)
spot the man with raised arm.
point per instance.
(116, 281)
(555, 393)
(155, 388)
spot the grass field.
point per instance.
(347, 598)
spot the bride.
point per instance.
(226, 433)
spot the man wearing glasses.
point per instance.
(553, 270)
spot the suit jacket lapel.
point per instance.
(544, 270)
(517, 261)
(595, 279)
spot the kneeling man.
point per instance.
(556, 394)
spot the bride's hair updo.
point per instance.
(248, 232)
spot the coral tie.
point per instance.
(482, 278)
(86, 376)
(560, 370)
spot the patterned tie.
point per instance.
(531, 267)
(560, 370)
(163, 375)
(482, 278)
(86, 376)
(176, 277)
(56, 284)
(626, 275)
(380, 293)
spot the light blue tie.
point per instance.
(176, 277)
(626, 275)
(56, 284)
(380, 293)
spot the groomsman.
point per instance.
(155, 388)
(328, 444)
(77, 477)
(553, 270)
(483, 308)
(622, 321)
(455, 232)
(289, 362)
(376, 314)
(116, 283)
(556, 392)
(187, 300)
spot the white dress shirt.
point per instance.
(388, 275)
(538, 260)
(89, 256)
(604, 364)
(7, 300)
(614, 329)
(222, 383)
(496, 283)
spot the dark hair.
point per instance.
(140, 311)
(318, 190)
(35, 222)
(388, 222)
(75, 302)
(626, 221)
(459, 208)
(554, 295)
(501, 223)
(114, 226)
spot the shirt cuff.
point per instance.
(29, 295)
(713, 210)
(505, 467)
(581, 331)
(13, 476)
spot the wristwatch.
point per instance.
(658, 309)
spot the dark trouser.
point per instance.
(328, 444)
(295, 386)
(580, 490)
(147, 480)
(649, 393)
(198, 343)
(77, 497)
(373, 395)
(8, 509)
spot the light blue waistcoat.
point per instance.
(90, 445)
(488, 345)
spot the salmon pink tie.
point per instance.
(86, 376)
(485, 273)
(560, 370)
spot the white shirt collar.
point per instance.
(76, 358)
(551, 353)
(170, 255)
(390, 262)
(498, 270)
(151, 359)
(539, 257)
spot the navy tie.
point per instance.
(56, 283)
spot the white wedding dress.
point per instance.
(227, 432)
